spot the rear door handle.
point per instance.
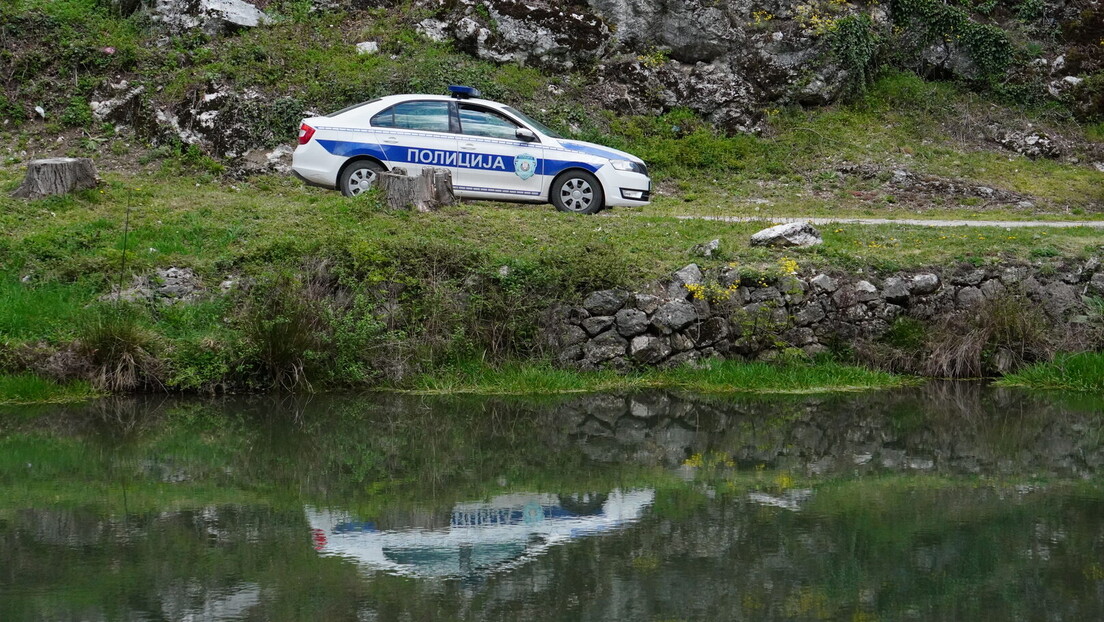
(391, 140)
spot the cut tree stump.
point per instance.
(56, 176)
(424, 193)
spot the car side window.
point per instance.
(476, 121)
(425, 116)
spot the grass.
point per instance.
(31, 389)
(715, 377)
(1067, 372)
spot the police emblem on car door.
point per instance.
(525, 165)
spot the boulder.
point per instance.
(648, 349)
(707, 249)
(674, 316)
(787, 235)
(688, 275)
(631, 322)
(968, 297)
(597, 324)
(607, 346)
(895, 290)
(824, 283)
(213, 17)
(605, 302)
(924, 284)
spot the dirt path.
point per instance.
(1004, 224)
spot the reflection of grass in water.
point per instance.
(1070, 372)
(28, 389)
(713, 377)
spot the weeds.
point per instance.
(120, 350)
(1067, 372)
(1000, 336)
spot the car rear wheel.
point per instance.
(577, 192)
(358, 177)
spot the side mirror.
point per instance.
(526, 135)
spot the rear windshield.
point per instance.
(353, 107)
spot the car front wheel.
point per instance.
(358, 177)
(577, 192)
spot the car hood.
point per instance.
(600, 151)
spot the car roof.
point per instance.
(420, 96)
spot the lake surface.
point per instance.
(945, 502)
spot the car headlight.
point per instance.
(628, 165)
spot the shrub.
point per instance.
(120, 350)
(1000, 336)
(283, 322)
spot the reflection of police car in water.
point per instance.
(492, 150)
(480, 538)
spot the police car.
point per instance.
(493, 151)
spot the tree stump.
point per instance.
(56, 176)
(424, 193)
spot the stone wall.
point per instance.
(719, 313)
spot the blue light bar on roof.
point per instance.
(463, 92)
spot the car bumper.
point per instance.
(624, 188)
(316, 166)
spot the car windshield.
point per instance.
(542, 128)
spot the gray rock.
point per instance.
(1013, 275)
(576, 315)
(673, 316)
(605, 302)
(681, 342)
(682, 358)
(800, 336)
(645, 302)
(792, 288)
(865, 291)
(992, 288)
(213, 17)
(968, 297)
(597, 324)
(707, 249)
(1059, 299)
(824, 283)
(1096, 284)
(648, 349)
(924, 284)
(367, 47)
(607, 346)
(570, 355)
(809, 314)
(631, 322)
(787, 235)
(572, 335)
(970, 277)
(765, 294)
(689, 275)
(709, 332)
(895, 290)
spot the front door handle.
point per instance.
(468, 147)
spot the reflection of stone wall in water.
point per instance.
(720, 313)
(961, 428)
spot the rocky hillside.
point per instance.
(228, 79)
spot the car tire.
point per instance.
(358, 177)
(577, 192)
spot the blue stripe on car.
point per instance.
(443, 157)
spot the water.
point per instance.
(948, 502)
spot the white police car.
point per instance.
(493, 151)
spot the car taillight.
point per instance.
(305, 133)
